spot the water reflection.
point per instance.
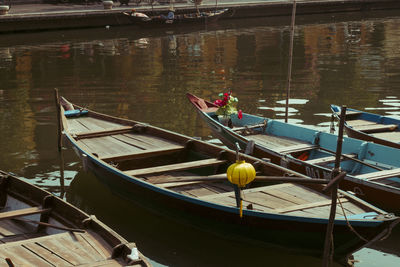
(144, 75)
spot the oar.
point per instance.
(222, 177)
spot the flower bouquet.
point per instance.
(227, 107)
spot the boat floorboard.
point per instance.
(114, 145)
(390, 136)
(10, 228)
(65, 249)
(355, 123)
(275, 142)
(287, 199)
(371, 128)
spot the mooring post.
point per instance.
(328, 255)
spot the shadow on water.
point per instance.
(168, 242)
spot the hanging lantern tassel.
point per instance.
(240, 174)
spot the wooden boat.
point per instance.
(180, 19)
(40, 229)
(372, 170)
(185, 179)
(370, 127)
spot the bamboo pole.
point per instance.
(328, 247)
(60, 145)
(289, 78)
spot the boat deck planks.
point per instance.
(371, 128)
(357, 123)
(66, 249)
(144, 141)
(281, 144)
(392, 136)
(175, 167)
(9, 228)
(97, 124)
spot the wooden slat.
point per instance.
(246, 191)
(99, 133)
(22, 212)
(143, 153)
(376, 128)
(272, 141)
(108, 263)
(284, 195)
(9, 228)
(20, 256)
(94, 124)
(380, 174)
(97, 243)
(390, 136)
(308, 205)
(175, 167)
(296, 148)
(328, 159)
(355, 123)
(145, 141)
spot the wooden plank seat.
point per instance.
(245, 191)
(143, 153)
(175, 167)
(296, 148)
(22, 212)
(354, 123)
(329, 159)
(105, 132)
(322, 203)
(375, 128)
(380, 174)
(391, 136)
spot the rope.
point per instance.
(348, 223)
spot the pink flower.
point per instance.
(218, 102)
(240, 114)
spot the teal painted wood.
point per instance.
(393, 137)
(383, 192)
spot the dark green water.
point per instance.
(144, 76)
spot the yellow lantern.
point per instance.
(240, 174)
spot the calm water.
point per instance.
(144, 75)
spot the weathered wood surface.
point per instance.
(109, 144)
(54, 233)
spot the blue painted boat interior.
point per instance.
(375, 154)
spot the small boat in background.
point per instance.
(366, 126)
(40, 229)
(186, 179)
(179, 20)
(373, 170)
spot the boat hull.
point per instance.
(266, 231)
(351, 132)
(383, 196)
